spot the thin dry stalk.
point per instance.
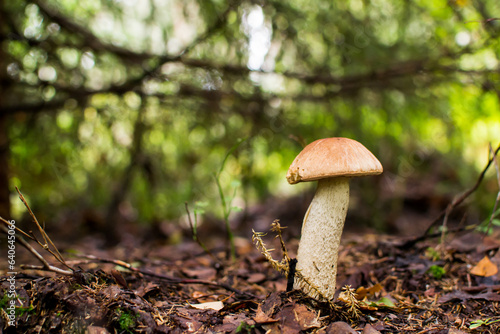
(456, 202)
(46, 244)
(349, 297)
(194, 232)
(47, 241)
(45, 265)
(170, 279)
(277, 228)
(494, 211)
(283, 266)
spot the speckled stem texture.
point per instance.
(320, 240)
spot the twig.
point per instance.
(277, 228)
(45, 245)
(8, 223)
(194, 232)
(494, 211)
(47, 267)
(456, 202)
(165, 277)
(45, 264)
(444, 226)
(286, 266)
(45, 236)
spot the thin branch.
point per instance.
(45, 246)
(194, 232)
(456, 202)
(170, 279)
(89, 39)
(93, 42)
(47, 267)
(55, 252)
(45, 264)
(494, 211)
(8, 223)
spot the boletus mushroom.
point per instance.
(331, 161)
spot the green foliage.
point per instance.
(433, 254)
(243, 327)
(436, 271)
(226, 201)
(487, 225)
(20, 310)
(482, 322)
(126, 320)
(4, 301)
(407, 79)
(383, 302)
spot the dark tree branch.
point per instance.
(454, 203)
(345, 85)
(89, 39)
(120, 193)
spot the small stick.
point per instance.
(458, 200)
(47, 267)
(45, 264)
(276, 227)
(45, 236)
(33, 217)
(194, 232)
(498, 194)
(8, 223)
(164, 277)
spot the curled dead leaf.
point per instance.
(484, 268)
(363, 292)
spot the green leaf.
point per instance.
(476, 323)
(384, 301)
(236, 209)
(436, 271)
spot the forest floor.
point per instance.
(151, 287)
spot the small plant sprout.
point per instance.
(331, 161)
(281, 266)
(349, 297)
(436, 271)
(482, 322)
(226, 202)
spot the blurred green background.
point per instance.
(127, 108)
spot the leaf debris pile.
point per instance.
(392, 290)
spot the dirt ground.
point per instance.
(153, 287)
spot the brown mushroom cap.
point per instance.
(333, 157)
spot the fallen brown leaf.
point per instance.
(363, 292)
(340, 327)
(484, 268)
(306, 318)
(369, 330)
(261, 317)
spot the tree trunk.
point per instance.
(4, 137)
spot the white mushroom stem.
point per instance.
(321, 231)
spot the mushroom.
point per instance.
(331, 161)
